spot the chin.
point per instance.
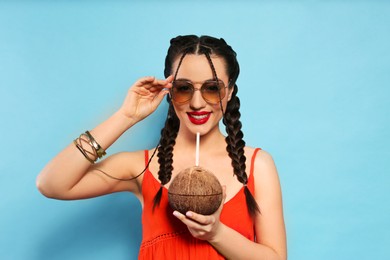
(201, 129)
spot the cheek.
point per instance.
(178, 108)
(217, 107)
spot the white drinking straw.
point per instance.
(197, 149)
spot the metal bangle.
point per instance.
(83, 152)
(99, 150)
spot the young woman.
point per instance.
(200, 87)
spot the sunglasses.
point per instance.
(212, 91)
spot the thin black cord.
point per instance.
(135, 177)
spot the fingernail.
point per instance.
(189, 214)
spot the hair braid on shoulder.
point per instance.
(235, 148)
(165, 151)
(234, 139)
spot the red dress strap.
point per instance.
(146, 159)
(253, 161)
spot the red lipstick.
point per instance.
(198, 118)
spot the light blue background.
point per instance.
(315, 94)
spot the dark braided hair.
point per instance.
(235, 147)
(191, 44)
(167, 141)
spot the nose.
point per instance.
(197, 102)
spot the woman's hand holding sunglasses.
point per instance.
(144, 97)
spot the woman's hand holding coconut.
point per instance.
(203, 227)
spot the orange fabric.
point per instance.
(166, 237)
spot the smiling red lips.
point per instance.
(198, 118)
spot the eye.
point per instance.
(182, 86)
(211, 87)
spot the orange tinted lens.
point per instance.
(182, 91)
(213, 91)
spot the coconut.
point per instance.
(195, 189)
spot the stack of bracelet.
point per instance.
(87, 139)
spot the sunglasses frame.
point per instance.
(221, 85)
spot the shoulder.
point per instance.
(261, 159)
(264, 160)
(264, 168)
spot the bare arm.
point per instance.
(70, 176)
(269, 225)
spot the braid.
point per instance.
(235, 143)
(167, 141)
(235, 148)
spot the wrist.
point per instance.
(111, 129)
(219, 234)
(123, 121)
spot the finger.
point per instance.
(183, 218)
(147, 79)
(201, 219)
(153, 84)
(151, 80)
(169, 78)
(191, 224)
(169, 81)
(179, 215)
(144, 82)
(165, 83)
(157, 88)
(159, 97)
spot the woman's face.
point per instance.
(197, 115)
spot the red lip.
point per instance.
(199, 117)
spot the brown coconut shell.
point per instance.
(195, 189)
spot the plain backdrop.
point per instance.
(314, 88)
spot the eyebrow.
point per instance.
(198, 82)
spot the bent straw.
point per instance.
(197, 149)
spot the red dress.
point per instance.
(166, 237)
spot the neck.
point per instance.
(213, 141)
